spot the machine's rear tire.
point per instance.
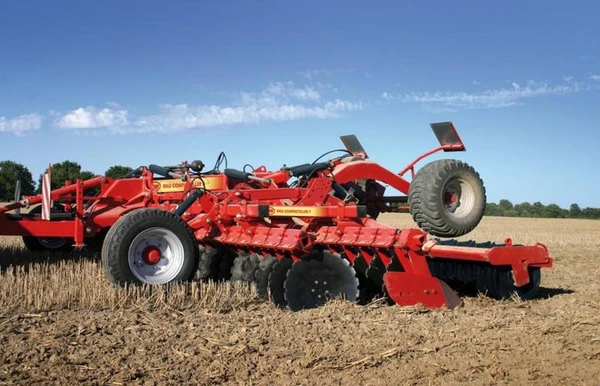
(150, 246)
(447, 198)
(50, 244)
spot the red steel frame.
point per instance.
(237, 218)
(256, 216)
(91, 214)
(118, 197)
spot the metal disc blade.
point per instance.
(277, 278)
(360, 265)
(311, 283)
(376, 271)
(368, 289)
(261, 277)
(244, 267)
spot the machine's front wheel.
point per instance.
(447, 198)
(150, 246)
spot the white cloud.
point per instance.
(491, 98)
(595, 77)
(387, 95)
(92, 118)
(282, 101)
(21, 124)
(287, 90)
(177, 117)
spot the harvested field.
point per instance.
(62, 323)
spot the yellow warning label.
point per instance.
(297, 211)
(176, 185)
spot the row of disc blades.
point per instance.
(312, 281)
(321, 276)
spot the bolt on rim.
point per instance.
(156, 256)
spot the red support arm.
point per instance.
(370, 170)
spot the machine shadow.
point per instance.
(20, 259)
(542, 292)
(547, 293)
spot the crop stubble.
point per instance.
(61, 322)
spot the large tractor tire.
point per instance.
(150, 246)
(50, 244)
(447, 198)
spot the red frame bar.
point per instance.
(411, 166)
(519, 258)
(44, 228)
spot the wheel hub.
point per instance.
(452, 198)
(151, 255)
(156, 256)
(458, 198)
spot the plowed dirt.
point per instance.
(61, 323)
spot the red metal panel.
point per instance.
(409, 290)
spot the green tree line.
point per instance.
(64, 171)
(506, 208)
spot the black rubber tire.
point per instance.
(36, 244)
(115, 248)
(261, 277)
(426, 198)
(244, 267)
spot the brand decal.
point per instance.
(299, 211)
(176, 185)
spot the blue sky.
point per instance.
(277, 82)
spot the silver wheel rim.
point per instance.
(172, 256)
(52, 242)
(458, 198)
